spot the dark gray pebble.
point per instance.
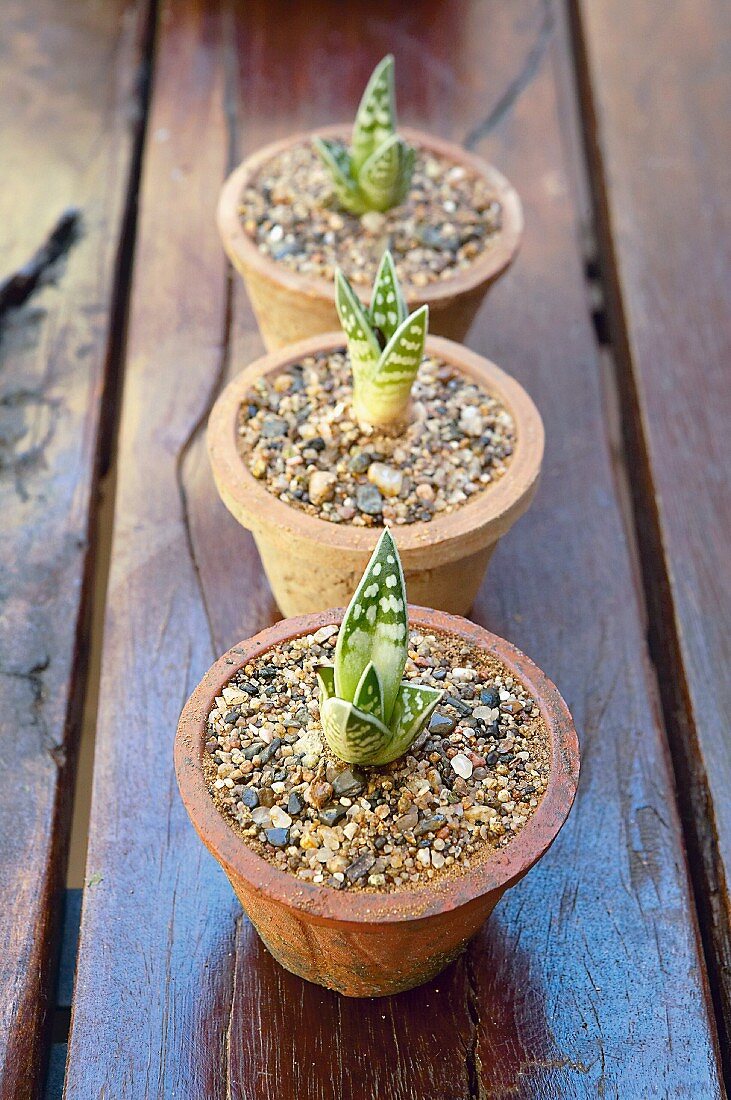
(458, 705)
(441, 724)
(294, 804)
(278, 838)
(348, 783)
(332, 815)
(369, 500)
(250, 798)
(360, 868)
(273, 427)
(430, 825)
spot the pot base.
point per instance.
(367, 960)
(318, 579)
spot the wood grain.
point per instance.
(588, 980)
(67, 136)
(657, 125)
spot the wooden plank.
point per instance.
(657, 123)
(588, 980)
(67, 138)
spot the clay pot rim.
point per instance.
(504, 867)
(497, 507)
(486, 268)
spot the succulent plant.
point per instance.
(385, 343)
(369, 714)
(375, 174)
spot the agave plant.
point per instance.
(369, 714)
(375, 174)
(386, 345)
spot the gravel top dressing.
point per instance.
(465, 788)
(297, 434)
(450, 217)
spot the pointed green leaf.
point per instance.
(369, 693)
(385, 177)
(388, 308)
(352, 734)
(376, 117)
(400, 360)
(413, 708)
(375, 627)
(362, 342)
(336, 159)
(326, 680)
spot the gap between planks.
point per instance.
(644, 537)
(101, 523)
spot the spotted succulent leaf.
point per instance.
(414, 705)
(362, 341)
(336, 159)
(376, 173)
(369, 715)
(388, 309)
(376, 117)
(369, 693)
(385, 177)
(375, 627)
(382, 379)
(326, 680)
(400, 359)
(355, 736)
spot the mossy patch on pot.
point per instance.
(467, 786)
(299, 437)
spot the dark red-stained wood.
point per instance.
(588, 980)
(70, 95)
(658, 127)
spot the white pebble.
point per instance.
(321, 486)
(487, 714)
(261, 816)
(424, 856)
(280, 819)
(386, 478)
(461, 765)
(471, 422)
(463, 674)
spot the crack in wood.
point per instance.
(518, 85)
(472, 1058)
(18, 287)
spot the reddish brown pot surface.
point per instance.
(290, 306)
(359, 943)
(444, 560)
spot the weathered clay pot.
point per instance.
(290, 306)
(313, 564)
(359, 943)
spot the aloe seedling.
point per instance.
(369, 714)
(375, 174)
(386, 345)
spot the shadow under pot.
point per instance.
(372, 940)
(291, 304)
(313, 562)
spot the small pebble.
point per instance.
(462, 765)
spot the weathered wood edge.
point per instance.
(681, 641)
(60, 310)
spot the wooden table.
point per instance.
(607, 972)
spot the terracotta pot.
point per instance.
(290, 306)
(313, 564)
(359, 943)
